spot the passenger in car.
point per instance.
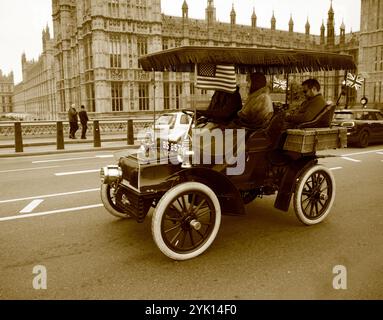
(258, 108)
(312, 106)
(223, 107)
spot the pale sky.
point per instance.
(22, 21)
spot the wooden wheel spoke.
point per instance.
(322, 204)
(307, 205)
(307, 199)
(203, 212)
(175, 208)
(180, 204)
(183, 239)
(184, 203)
(191, 237)
(176, 236)
(172, 219)
(311, 208)
(306, 193)
(199, 232)
(200, 205)
(191, 205)
(173, 228)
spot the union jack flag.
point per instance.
(354, 81)
(280, 84)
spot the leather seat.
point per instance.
(322, 120)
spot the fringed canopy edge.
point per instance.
(266, 60)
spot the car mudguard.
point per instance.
(286, 189)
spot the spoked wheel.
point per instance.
(108, 198)
(186, 220)
(314, 195)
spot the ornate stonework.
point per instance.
(97, 45)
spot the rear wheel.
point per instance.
(314, 195)
(364, 138)
(186, 220)
(108, 198)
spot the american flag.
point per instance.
(280, 84)
(216, 77)
(354, 81)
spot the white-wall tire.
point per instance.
(107, 198)
(177, 216)
(314, 195)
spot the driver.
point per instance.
(223, 107)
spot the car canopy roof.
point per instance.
(246, 60)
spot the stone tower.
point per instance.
(273, 22)
(185, 10)
(330, 27)
(210, 12)
(253, 19)
(307, 27)
(99, 45)
(232, 16)
(291, 24)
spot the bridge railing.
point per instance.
(18, 132)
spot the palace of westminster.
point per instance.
(92, 57)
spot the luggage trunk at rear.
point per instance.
(315, 139)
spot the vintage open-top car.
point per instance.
(189, 195)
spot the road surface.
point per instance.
(51, 216)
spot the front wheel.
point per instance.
(314, 195)
(108, 198)
(186, 220)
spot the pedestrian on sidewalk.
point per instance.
(73, 121)
(84, 121)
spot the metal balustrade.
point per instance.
(48, 128)
(18, 131)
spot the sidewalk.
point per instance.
(44, 146)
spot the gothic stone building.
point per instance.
(97, 45)
(6, 92)
(371, 50)
(36, 94)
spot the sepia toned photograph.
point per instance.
(191, 151)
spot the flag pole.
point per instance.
(287, 89)
(194, 96)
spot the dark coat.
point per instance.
(308, 110)
(223, 106)
(83, 117)
(72, 115)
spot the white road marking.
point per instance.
(28, 169)
(363, 152)
(73, 159)
(379, 152)
(32, 206)
(336, 168)
(105, 156)
(75, 172)
(50, 195)
(31, 215)
(351, 159)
